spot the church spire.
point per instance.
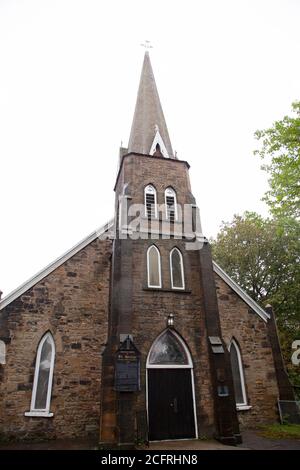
(149, 130)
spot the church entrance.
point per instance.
(170, 389)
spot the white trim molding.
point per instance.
(38, 414)
(241, 293)
(243, 407)
(181, 269)
(55, 264)
(158, 140)
(159, 266)
(45, 412)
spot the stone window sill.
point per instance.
(38, 414)
(176, 291)
(243, 407)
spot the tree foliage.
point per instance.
(280, 148)
(262, 256)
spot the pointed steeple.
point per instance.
(149, 126)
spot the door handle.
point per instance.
(175, 406)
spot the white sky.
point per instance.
(69, 73)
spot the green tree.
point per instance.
(262, 256)
(280, 148)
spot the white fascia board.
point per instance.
(55, 264)
(241, 293)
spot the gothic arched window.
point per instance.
(42, 383)
(153, 267)
(150, 202)
(237, 374)
(171, 204)
(2, 352)
(169, 350)
(176, 268)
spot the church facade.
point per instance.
(135, 334)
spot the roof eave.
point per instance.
(241, 293)
(54, 265)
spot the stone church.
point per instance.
(136, 334)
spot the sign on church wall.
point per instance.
(127, 371)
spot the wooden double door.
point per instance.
(170, 404)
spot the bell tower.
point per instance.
(163, 302)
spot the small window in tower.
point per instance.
(150, 202)
(171, 204)
(153, 267)
(176, 267)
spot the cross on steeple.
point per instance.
(147, 45)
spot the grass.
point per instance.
(280, 431)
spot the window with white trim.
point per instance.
(150, 202)
(153, 267)
(237, 374)
(171, 204)
(176, 268)
(2, 352)
(168, 350)
(43, 375)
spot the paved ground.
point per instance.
(251, 441)
(194, 444)
(67, 444)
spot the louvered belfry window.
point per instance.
(150, 202)
(170, 202)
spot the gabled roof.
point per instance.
(98, 233)
(55, 264)
(148, 115)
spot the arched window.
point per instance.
(169, 350)
(153, 267)
(176, 268)
(42, 383)
(150, 202)
(237, 374)
(2, 352)
(171, 204)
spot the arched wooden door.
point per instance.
(170, 389)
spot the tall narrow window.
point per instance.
(150, 202)
(171, 204)
(42, 384)
(176, 268)
(237, 374)
(2, 352)
(153, 267)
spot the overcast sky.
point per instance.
(69, 73)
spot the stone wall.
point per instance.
(71, 303)
(250, 331)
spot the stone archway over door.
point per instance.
(170, 389)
